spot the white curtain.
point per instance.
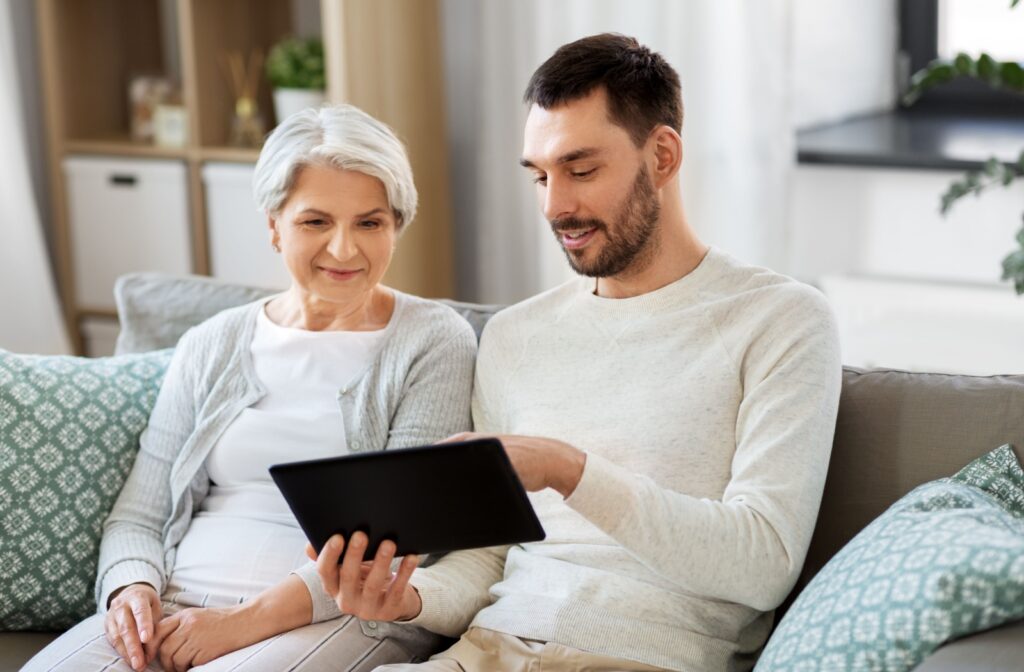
(30, 317)
(733, 59)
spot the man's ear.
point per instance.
(668, 155)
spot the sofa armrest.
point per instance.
(998, 650)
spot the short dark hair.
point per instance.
(643, 89)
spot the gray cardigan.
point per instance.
(417, 391)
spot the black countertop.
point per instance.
(912, 139)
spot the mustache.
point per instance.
(575, 223)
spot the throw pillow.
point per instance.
(69, 431)
(945, 561)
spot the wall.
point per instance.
(26, 47)
(912, 289)
(844, 59)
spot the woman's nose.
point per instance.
(341, 246)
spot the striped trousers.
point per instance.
(344, 644)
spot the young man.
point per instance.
(672, 411)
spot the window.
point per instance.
(975, 26)
(931, 29)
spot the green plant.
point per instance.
(1006, 75)
(296, 63)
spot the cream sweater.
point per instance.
(706, 409)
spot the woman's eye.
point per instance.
(314, 222)
(369, 224)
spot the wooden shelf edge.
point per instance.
(233, 154)
(93, 313)
(117, 147)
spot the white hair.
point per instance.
(338, 136)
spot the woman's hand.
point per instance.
(368, 590)
(196, 636)
(131, 623)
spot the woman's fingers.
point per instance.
(110, 626)
(171, 643)
(129, 634)
(182, 659)
(163, 629)
(461, 436)
(350, 572)
(379, 577)
(395, 596)
(142, 611)
(327, 564)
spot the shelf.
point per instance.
(241, 27)
(99, 46)
(123, 146)
(234, 154)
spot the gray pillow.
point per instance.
(156, 309)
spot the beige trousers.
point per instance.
(482, 650)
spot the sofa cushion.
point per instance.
(69, 431)
(16, 648)
(996, 650)
(156, 309)
(945, 561)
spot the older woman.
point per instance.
(202, 564)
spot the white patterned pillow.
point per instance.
(69, 431)
(945, 561)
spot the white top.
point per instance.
(298, 419)
(706, 409)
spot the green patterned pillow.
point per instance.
(945, 561)
(69, 431)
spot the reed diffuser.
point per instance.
(243, 75)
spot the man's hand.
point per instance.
(367, 590)
(539, 462)
(130, 624)
(196, 636)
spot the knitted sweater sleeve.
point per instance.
(132, 549)
(748, 547)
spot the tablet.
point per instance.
(429, 499)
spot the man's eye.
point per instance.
(540, 179)
(584, 173)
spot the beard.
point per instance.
(628, 242)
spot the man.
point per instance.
(672, 411)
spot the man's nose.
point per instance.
(559, 200)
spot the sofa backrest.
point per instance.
(895, 431)
(155, 309)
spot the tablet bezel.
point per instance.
(515, 523)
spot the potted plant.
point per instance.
(1006, 75)
(295, 68)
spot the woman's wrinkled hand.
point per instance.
(367, 589)
(131, 624)
(196, 636)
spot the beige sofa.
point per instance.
(895, 431)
